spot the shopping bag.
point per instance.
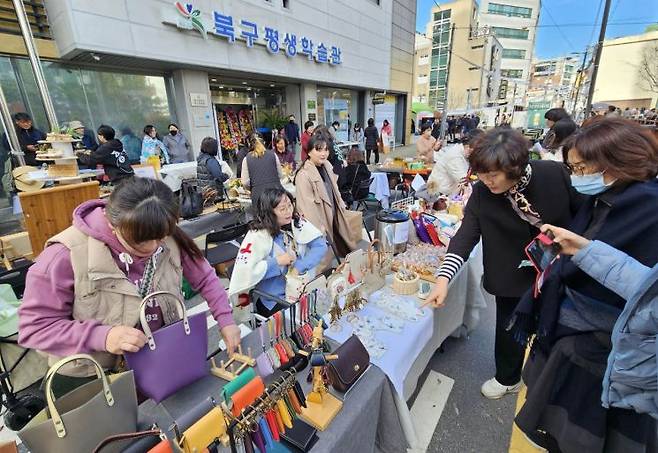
(354, 221)
(295, 283)
(175, 355)
(191, 202)
(82, 418)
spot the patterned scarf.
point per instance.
(520, 203)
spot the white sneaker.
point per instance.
(493, 389)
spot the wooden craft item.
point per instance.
(228, 370)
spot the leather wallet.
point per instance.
(247, 395)
(353, 360)
(301, 437)
(208, 429)
(264, 365)
(236, 384)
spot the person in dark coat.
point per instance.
(110, 155)
(508, 205)
(84, 134)
(615, 163)
(28, 137)
(355, 173)
(372, 141)
(291, 131)
(209, 171)
(261, 169)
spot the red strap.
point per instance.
(277, 324)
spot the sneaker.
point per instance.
(493, 389)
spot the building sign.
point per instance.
(198, 99)
(502, 89)
(275, 40)
(310, 104)
(536, 111)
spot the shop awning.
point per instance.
(417, 107)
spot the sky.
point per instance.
(575, 19)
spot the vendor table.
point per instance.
(380, 188)
(366, 423)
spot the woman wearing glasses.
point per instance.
(615, 162)
(513, 198)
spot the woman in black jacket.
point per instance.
(355, 173)
(372, 141)
(513, 198)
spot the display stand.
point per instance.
(226, 369)
(321, 406)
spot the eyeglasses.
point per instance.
(576, 168)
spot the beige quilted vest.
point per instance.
(104, 293)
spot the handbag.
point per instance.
(337, 283)
(247, 395)
(175, 355)
(374, 277)
(263, 361)
(191, 202)
(161, 444)
(236, 384)
(210, 428)
(354, 221)
(355, 264)
(82, 418)
(353, 360)
(295, 283)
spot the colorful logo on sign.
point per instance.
(191, 18)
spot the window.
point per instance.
(512, 73)
(512, 33)
(441, 15)
(509, 10)
(517, 54)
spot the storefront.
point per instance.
(212, 65)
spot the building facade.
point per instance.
(472, 71)
(514, 23)
(621, 80)
(422, 52)
(554, 81)
(221, 68)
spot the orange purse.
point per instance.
(247, 395)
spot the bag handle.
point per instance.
(145, 324)
(60, 429)
(137, 435)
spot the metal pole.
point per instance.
(597, 58)
(511, 120)
(36, 64)
(580, 82)
(444, 117)
(8, 123)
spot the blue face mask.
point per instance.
(593, 184)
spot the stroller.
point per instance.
(20, 368)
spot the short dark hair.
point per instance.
(308, 124)
(22, 116)
(471, 136)
(623, 148)
(562, 130)
(209, 146)
(500, 149)
(173, 124)
(265, 218)
(335, 123)
(355, 156)
(316, 142)
(371, 121)
(424, 127)
(612, 108)
(107, 132)
(556, 114)
(148, 128)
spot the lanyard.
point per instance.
(277, 320)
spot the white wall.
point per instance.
(196, 122)
(135, 28)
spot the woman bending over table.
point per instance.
(84, 291)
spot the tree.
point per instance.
(648, 68)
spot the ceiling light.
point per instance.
(248, 88)
(244, 83)
(213, 80)
(272, 85)
(221, 87)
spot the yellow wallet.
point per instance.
(208, 429)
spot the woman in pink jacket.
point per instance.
(83, 293)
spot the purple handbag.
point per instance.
(421, 232)
(175, 355)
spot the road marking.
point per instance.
(429, 406)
